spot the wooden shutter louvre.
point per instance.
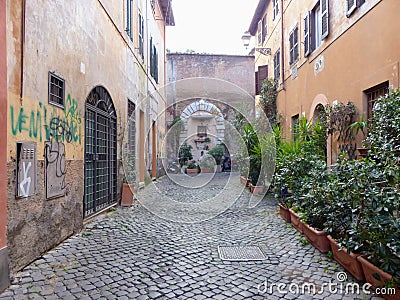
(307, 49)
(291, 46)
(296, 44)
(262, 75)
(351, 6)
(259, 33)
(256, 82)
(324, 4)
(264, 29)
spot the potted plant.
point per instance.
(192, 168)
(357, 126)
(185, 154)
(127, 194)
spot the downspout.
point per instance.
(21, 91)
(283, 48)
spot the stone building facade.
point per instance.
(196, 113)
(77, 71)
(326, 51)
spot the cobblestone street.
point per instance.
(131, 253)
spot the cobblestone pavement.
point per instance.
(133, 254)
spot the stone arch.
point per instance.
(100, 167)
(319, 103)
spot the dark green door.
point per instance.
(100, 152)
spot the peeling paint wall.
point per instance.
(84, 43)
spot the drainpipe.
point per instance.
(283, 49)
(21, 91)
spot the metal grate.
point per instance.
(100, 152)
(56, 90)
(241, 253)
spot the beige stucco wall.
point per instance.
(85, 43)
(360, 52)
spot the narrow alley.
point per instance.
(132, 254)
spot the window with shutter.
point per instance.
(307, 49)
(351, 7)
(276, 8)
(141, 35)
(129, 28)
(264, 29)
(259, 33)
(324, 4)
(277, 65)
(294, 45)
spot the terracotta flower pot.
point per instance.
(243, 180)
(369, 271)
(295, 220)
(258, 189)
(284, 212)
(191, 171)
(347, 260)
(127, 195)
(317, 238)
(206, 170)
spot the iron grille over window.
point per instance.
(294, 45)
(373, 94)
(277, 65)
(56, 90)
(153, 5)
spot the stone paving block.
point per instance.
(134, 254)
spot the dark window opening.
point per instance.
(153, 61)
(201, 131)
(295, 126)
(56, 90)
(373, 94)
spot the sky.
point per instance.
(210, 26)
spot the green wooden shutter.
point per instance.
(324, 4)
(307, 39)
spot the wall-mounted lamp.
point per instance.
(246, 42)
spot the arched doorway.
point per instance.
(100, 152)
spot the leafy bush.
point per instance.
(217, 152)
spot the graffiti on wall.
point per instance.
(42, 124)
(26, 169)
(55, 169)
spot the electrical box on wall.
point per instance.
(26, 169)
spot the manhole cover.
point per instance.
(241, 253)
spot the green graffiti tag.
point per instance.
(52, 126)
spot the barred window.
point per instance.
(56, 90)
(277, 65)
